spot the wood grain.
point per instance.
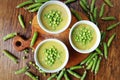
(109, 70)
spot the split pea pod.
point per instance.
(22, 70)
(8, 36)
(84, 7)
(33, 77)
(92, 5)
(94, 63)
(97, 65)
(111, 39)
(99, 51)
(34, 38)
(113, 26)
(74, 74)
(109, 18)
(105, 50)
(76, 67)
(33, 6)
(90, 65)
(69, 1)
(24, 4)
(61, 74)
(102, 10)
(51, 77)
(84, 75)
(109, 3)
(10, 56)
(66, 76)
(20, 18)
(34, 9)
(75, 13)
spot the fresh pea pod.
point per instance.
(95, 13)
(20, 18)
(99, 51)
(34, 9)
(102, 10)
(85, 2)
(89, 65)
(66, 76)
(33, 6)
(41, 0)
(92, 5)
(51, 77)
(34, 38)
(76, 67)
(109, 3)
(91, 17)
(69, 1)
(75, 13)
(113, 26)
(74, 74)
(84, 75)
(10, 56)
(105, 50)
(61, 74)
(90, 59)
(8, 36)
(94, 63)
(103, 35)
(33, 77)
(84, 7)
(22, 70)
(97, 65)
(24, 4)
(109, 18)
(111, 39)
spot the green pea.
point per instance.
(105, 50)
(111, 39)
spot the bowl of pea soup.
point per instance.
(84, 36)
(51, 55)
(54, 17)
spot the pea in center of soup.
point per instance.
(51, 55)
(54, 17)
(83, 36)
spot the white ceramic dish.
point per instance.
(96, 30)
(58, 3)
(44, 69)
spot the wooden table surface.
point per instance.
(109, 69)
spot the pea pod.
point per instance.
(102, 10)
(66, 76)
(69, 1)
(109, 3)
(34, 38)
(84, 7)
(20, 18)
(90, 65)
(95, 13)
(41, 0)
(10, 56)
(109, 18)
(51, 77)
(22, 70)
(91, 17)
(94, 63)
(8, 36)
(92, 5)
(33, 77)
(24, 4)
(97, 65)
(90, 59)
(85, 2)
(111, 39)
(61, 74)
(76, 67)
(75, 13)
(33, 6)
(99, 51)
(74, 74)
(113, 26)
(103, 34)
(84, 75)
(34, 9)
(105, 50)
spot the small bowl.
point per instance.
(97, 34)
(60, 4)
(42, 67)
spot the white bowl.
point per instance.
(97, 33)
(58, 3)
(44, 69)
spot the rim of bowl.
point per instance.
(47, 70)
(94, 26)
(58, 3)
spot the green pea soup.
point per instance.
(84, 36)
(63, 16)
(58, 62)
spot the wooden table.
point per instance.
(109, 69)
